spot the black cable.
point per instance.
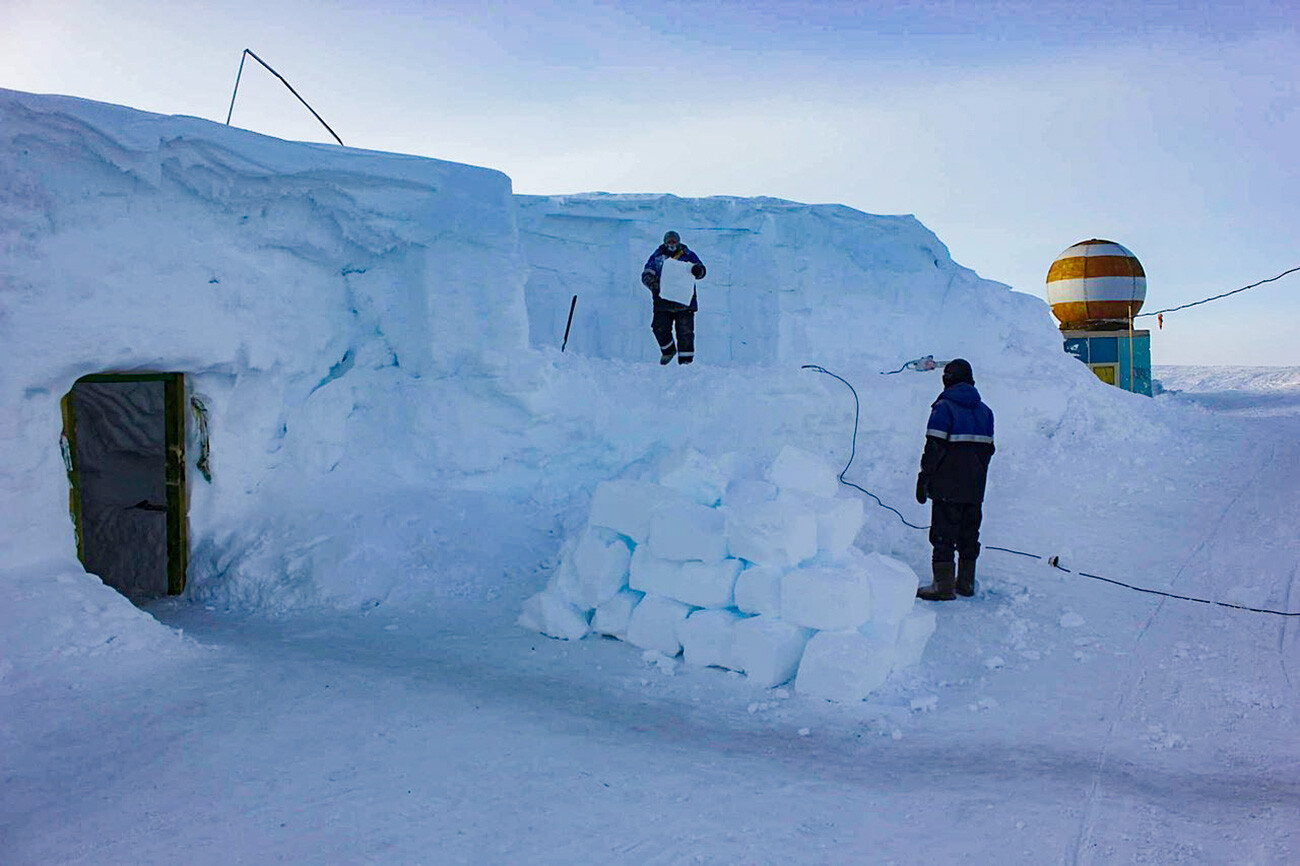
(1054, 561)
(248, 52)
(854, 450)
(1217, 297)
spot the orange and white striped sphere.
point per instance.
(1095, 283)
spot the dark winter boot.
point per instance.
(667, 354)
(943, 586)
(965, 577)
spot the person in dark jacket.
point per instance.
(672, 313)
(954, 471)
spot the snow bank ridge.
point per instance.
(751, 571)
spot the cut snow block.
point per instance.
(838, 523)
(893, 586)
(688, 531)
(826, 598)
(700, 584)
(781, 533)
(708, 584)
(554, 616)
(844, 666)
(797, 470)
(654, 624)
(625, 506)
(600, 563)
(706, 638)
(745, 492)
(913, 634)
(613, 616)
(758, 590)
(694, 476)
(767, 649)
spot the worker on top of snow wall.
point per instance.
(954, 471)
(668, 274)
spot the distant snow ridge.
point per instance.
(751, 571)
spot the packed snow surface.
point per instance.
(404, 466)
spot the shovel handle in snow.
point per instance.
(572, 304)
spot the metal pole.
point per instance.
(249, 52)
(572, 304)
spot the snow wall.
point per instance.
(375, 339)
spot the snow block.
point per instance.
(844, 666)
(744, 492)
(893, 586)
(709, 584)
(694, 476)
(767, 649)
(613, 616)
(626, 506)
(688, 531)
(707, 637)
(758, 590)
(781, 533)
(913, 634)
(826, 598)
(600, 566)
(701, 584)
(553, 615)
(652, 574)
(797, 470)
(654, 624)
(838, 523)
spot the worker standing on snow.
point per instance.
(954, 470)
(668, 274)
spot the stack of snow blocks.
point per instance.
(750, 569)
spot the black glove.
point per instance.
(650, 281)
(920, 488)
(697, 271)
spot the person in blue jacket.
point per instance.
(672, 313)
(954, 471)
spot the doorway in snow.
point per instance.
(125, 450)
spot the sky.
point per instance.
(1011, 129)
(384, 468)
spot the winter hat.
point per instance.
(957, 370)
(672, 238)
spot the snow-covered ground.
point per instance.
(400, 452)
(1053, 719)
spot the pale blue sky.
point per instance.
(1012, 129)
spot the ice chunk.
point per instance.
(800, 471)
(913, 634)
(767, 649)
(758, 590)
(553, 615)
(694, 476)
(826, 598)
(707, 638)
(613, 616)
(626, 506)
(688, 530)
(781, 533)
(702, 584)
(654, 624)
(599, 567)
(893, 586)
(844, 665)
